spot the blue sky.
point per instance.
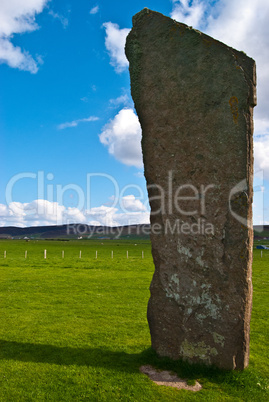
(70, 137)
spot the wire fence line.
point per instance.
(45, 255)
(263, 253)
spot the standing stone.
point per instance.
(194, 97)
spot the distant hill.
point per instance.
(75, 231)
(260, 232)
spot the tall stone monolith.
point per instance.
(194, 97)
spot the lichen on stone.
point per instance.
(199, 350)
(219, 339)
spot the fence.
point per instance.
(26, 255)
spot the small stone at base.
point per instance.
(168, 378)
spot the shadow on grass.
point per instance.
(124, 362)
(94, 357)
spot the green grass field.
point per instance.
(75, 329)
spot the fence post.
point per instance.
(142, 254)
(63, 254)
(25, 254)
(112, 254)
(45, 254)
(5, 254)
(80, 254)
(127, 254)
(96, 254)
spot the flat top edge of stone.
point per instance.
(138, 17)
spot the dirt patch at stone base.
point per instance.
(168, 378)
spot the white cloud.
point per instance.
(63, 20)
(261, 156)
(121, 100)
(84, 99)
(132, 218)
(16, 58)
(122, 136)
(261, 146)
(115, 43)
(74, 123)
(261, 128)
(139, 174)
(131, 204)
(18, 16)
(43, 213)
(189, 13)
(104, 215)
(28, 214)
(74, 215)
(94, 10)
(109, 216)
